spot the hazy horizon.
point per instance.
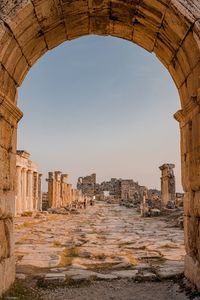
(100, 105)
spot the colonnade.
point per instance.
(29, 196)
(60, 192)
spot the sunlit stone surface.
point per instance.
(102, 239)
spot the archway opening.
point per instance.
(170, 29)
(130, 241)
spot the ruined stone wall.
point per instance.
(189, 120)
(9, 116)
(121, 189)
(87, 185)
(130, 190)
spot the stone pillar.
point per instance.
(64, 189)
(30, 190)
(9, 116)
(39, 192)
(189, 121)
(18, 198)
(35, 190)
(58, 188)
(51, 190)
(168, 188)
(144, 206)
(24, 190)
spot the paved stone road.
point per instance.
(105, 241)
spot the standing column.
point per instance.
(35, 190)
(58, 188)
(168, 190)
(18, 199)
(24, 189)
(39, 192)
(30, 190)
(50, 181)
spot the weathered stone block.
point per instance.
(4, 241)
(7, 273)
(56, 36)
(6, 204)
(192, 270)
(48, 12)
(8, 85)
(192, 204)
(192, 236)
(116, 28)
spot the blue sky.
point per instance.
(100, 104)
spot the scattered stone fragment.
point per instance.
(20, 276)
(106, 276)
(126, 273)
(170, 269)
(54, 277)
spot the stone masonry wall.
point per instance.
(9, 116)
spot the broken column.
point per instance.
(168, 187)
(144, 206)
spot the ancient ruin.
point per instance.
(29, 191)
(116, 190)
(170, 29)
(60, 192)
(168, 187)
(87, 185)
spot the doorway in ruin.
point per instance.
(170, 29)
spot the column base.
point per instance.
(192, 270)
(7, 273)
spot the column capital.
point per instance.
(10, 112)
(24, 170)
(179, 116)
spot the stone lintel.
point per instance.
(23, 153)
(167, 166)
(9, 111)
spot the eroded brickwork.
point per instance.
(87, 185)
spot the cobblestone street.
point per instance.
(105, 251)
(103, 240)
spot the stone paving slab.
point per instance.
(102, 239)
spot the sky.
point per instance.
(103, 105)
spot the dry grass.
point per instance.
(67, 256)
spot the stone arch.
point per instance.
(168, 28)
